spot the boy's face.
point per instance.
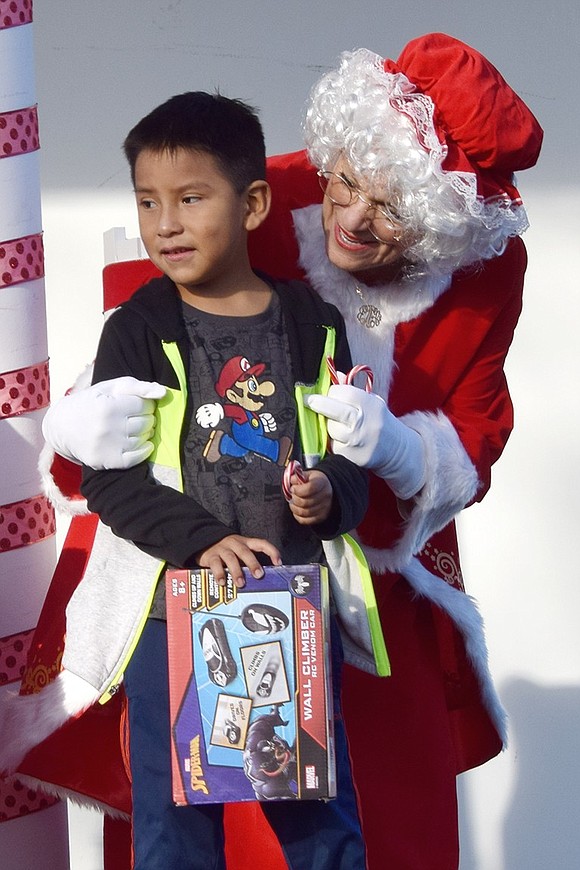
(192, 221)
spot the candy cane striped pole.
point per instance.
(34, 831)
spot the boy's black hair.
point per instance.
(227, 129)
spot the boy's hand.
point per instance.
(232, 553)
(311, 501)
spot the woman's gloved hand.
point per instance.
(107, 425)
(362, 429)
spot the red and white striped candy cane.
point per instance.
(351, 375)
(293, 467)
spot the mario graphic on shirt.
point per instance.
(239, 385)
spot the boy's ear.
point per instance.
(258, 200)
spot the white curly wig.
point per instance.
(384, 128)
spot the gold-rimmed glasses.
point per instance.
(382, 223)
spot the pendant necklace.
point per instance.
(367, 315)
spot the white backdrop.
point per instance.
(100, 67)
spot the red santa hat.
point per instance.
(483, 125)
(440, 134)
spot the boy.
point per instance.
(229, 344)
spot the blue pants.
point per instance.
(314, 835)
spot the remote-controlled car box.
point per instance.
(250, 686)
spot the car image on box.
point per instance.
(232, 732)
(266, 684)
(216, 650)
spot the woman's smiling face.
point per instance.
(350, 244)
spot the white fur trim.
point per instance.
(27, 720)
(84, 379)
(463, 611)
(80, 800)
(397, 302)
(64, 503)
(451, 483)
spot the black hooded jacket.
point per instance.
(166, 523)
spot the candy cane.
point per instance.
(293, 467)
(351, 375)
(360, 369)
(333, 370)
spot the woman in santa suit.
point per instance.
(402, 212)
(416, 242)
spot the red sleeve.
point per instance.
(452, 358)
(67, 476)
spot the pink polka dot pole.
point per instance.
(27, 522)
(24, 390)
(18, 132)
(14, 13)
(13, 652)
(21, 260)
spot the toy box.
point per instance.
(250, 686)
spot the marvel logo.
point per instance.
(311, 778)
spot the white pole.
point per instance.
(33, 828)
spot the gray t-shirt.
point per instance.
(243, 428)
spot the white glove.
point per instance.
(208, 416)
(363, 430)
(107, 425)
(268, 421)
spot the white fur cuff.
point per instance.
(27, 720)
